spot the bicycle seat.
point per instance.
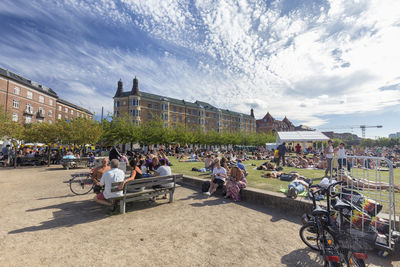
(340, 205)
(319, 211)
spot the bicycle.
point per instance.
(337, 245)
(82, 183)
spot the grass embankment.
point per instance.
(255, 180)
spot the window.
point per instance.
(180, 110)
(174, 118)
(15, 116)
(17, 90)
(59, 116)
(29, 94)
(166, 117)
(50, 102)
(50, 121)
(134, 102)
(50, 113)
(148, 115)
(165, 106)
(82, 115)
(149, 105)
(124, 103)
(41, 99)
(188, 120)
(15, 103)
(29, 108)
(72, 112)
(41, 111)
(155, 106)
(207, 114)
(117, 113)
(66, 117)
(40, 120)
(28, 119)
(180, 118)
(59, 108)
(116, 103)
(77, 114)
(66, 110)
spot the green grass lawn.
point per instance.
(255, 180)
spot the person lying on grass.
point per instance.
(363, 183)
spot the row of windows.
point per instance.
(28, 118)
(29, 108)
(29, 95)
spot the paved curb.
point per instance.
(261, 197)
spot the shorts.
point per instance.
(218, 181)
(100, 196)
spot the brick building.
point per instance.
(270, 125)
(29, 102)
(142, 106)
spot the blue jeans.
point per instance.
(297, 186)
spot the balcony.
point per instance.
(28, 112)
(40, 115)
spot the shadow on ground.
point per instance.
(276, 214)
(78, 212)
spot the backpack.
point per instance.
(205, 186)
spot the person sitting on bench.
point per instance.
(112, 176)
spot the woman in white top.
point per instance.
(217, 178)
(341, 155)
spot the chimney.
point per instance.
(120, 89)
(135, 87)
(252, 113)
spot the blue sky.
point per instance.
(321, 63)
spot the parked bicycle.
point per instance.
(328, 235)
(82, 183)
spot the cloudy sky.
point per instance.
(323, 63)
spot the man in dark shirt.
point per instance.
(114, 154)
(281, 151)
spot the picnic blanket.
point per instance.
(285, 190)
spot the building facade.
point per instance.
(270, 125)
(30, 102)
(142, 106)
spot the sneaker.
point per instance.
(291, 192)
(207, 193)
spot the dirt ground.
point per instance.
(43, 224)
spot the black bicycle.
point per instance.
(326, 234)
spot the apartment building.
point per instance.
(30, 102)
(143, 106)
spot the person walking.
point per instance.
(329, 156)
(281, 152)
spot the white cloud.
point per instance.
(303, 61)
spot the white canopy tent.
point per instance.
(301, 136)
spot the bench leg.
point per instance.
(171, 196)
(122, 206)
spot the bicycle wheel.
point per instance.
(354, 262)
(309, 235)
(81, 185)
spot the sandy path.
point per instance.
(43, 224)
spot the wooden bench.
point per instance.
(33, 161)
(74, 163)
(148, 192)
